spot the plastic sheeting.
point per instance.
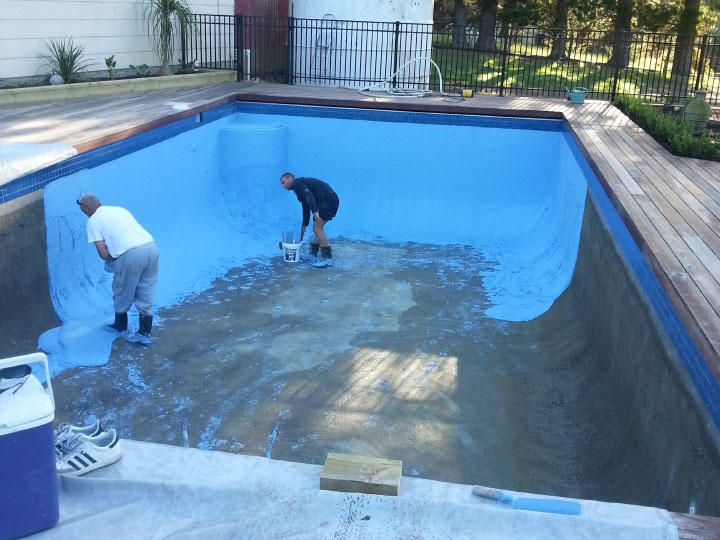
(19, 159)
(158, 491)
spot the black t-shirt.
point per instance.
(311, 192)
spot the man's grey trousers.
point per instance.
(135, 278)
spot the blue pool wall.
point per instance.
(212, 199)
(517, 194)
(696, 367)
(176, 191)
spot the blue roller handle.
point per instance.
(553, 506)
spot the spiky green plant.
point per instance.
(164, 19)
(66, 59)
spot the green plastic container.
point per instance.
(697, 112)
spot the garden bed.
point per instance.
(117, 86)
(667, 126)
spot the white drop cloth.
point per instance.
(19, 159)
(157, 491)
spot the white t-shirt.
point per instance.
(118, 228)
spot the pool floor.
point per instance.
(387, 354)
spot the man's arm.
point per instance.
(102, 250)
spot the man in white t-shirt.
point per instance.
(133, 256)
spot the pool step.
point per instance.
(359, 474)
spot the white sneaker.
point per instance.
(66, 432)
(85, 454)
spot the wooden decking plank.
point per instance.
(628, 181)
(689, 226)
(706, 206)
(692, 266)
(674, 205)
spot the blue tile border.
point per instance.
(379, 115)
(700, 374)
(98, 156)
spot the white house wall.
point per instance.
(102, 27)
(409, 11)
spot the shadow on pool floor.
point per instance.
(387, 354)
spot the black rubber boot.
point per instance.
(120, 324)
(145, 325)
(314, 248)
(143, 333)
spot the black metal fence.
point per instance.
(211, 43)
(508, 61)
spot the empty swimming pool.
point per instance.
(481, 322)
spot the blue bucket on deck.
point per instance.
(577, 95)
(28, 481)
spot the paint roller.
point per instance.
(535, 504)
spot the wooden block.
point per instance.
(358, 474)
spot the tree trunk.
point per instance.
(686, 30)
(486, 29)
(559, 30)
(621, 38)
(458, 39)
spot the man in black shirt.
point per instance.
(319, 199)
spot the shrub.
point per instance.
(66, 59)
(675, 132)
(111, 63)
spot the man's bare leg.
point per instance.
(320, 237)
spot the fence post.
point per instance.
(290, 48)
(395, 53)
(505, 49)
(183, 45)
(701, 67)
(239, 52)
(613, 92)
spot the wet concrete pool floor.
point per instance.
(386, 354)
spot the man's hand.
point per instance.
(317, 218)
(302, 232)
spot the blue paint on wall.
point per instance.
(212, 200)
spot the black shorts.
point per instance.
(329, 207)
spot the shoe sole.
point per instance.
(91, 467)
(134, 338)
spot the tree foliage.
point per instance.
(647, 15)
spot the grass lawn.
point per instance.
(533, 74)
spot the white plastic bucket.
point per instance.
(292, 252)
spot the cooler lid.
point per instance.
(28, 407)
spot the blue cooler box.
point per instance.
(28, 478)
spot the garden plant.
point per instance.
(673, 132)
(66, 59)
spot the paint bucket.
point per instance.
(467, 93)
(292, 252)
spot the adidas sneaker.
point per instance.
(84, 454)
(65, 432)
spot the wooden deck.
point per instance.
(671, 205)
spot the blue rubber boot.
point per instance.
(325, 260)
